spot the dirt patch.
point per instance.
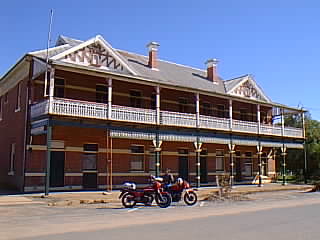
(230, 196)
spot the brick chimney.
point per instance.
(212, 70)
(153, 49)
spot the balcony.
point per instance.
(75, 108)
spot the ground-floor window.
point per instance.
(247, 165)
(12, 158)
(90, 155)
(137, 158)
(220, 160)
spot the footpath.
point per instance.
(95, 197)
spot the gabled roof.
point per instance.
(98, 39)
(167, 72)
(233, 84)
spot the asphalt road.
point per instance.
(294, 216)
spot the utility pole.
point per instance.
(49, 127)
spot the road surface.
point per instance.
(283, 216)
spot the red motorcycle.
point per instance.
(130, 196)
(176, 192)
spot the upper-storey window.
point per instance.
(264, 117)
(206, 108)
(243, 114)
(183, 105)
(101, 93)
(59, 85)
(18, 99)
(153, 100)
(135, 98)
(220, 111)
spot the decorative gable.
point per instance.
(95, 52)
(95, 55)
(249, 89)
(246, 89)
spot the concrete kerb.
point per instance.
(100, 197)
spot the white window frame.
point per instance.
(12, 159)
(223, 160)
(137, 154)
(90, 152)
(248, 161)
(18, 98)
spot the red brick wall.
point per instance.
(121, 156)
(12, 130)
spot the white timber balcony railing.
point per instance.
(293, 132)
(130, 114)
(83, 109)
(178, 119)
(243, 126)
(75, 108)
(214, 122)
(272, 130)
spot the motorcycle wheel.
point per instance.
(166, 200)
(190, 198)
(128, 200)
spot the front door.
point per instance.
(57, 169)
(203, 167)
(183, 164)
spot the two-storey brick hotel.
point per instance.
(101, 116)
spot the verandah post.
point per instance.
(283, 150)
(198, 143)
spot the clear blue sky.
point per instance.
(278, 41)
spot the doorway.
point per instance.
(57, 169)
(203, 166)
(89, 180)
(183, 164)
(264, 164)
